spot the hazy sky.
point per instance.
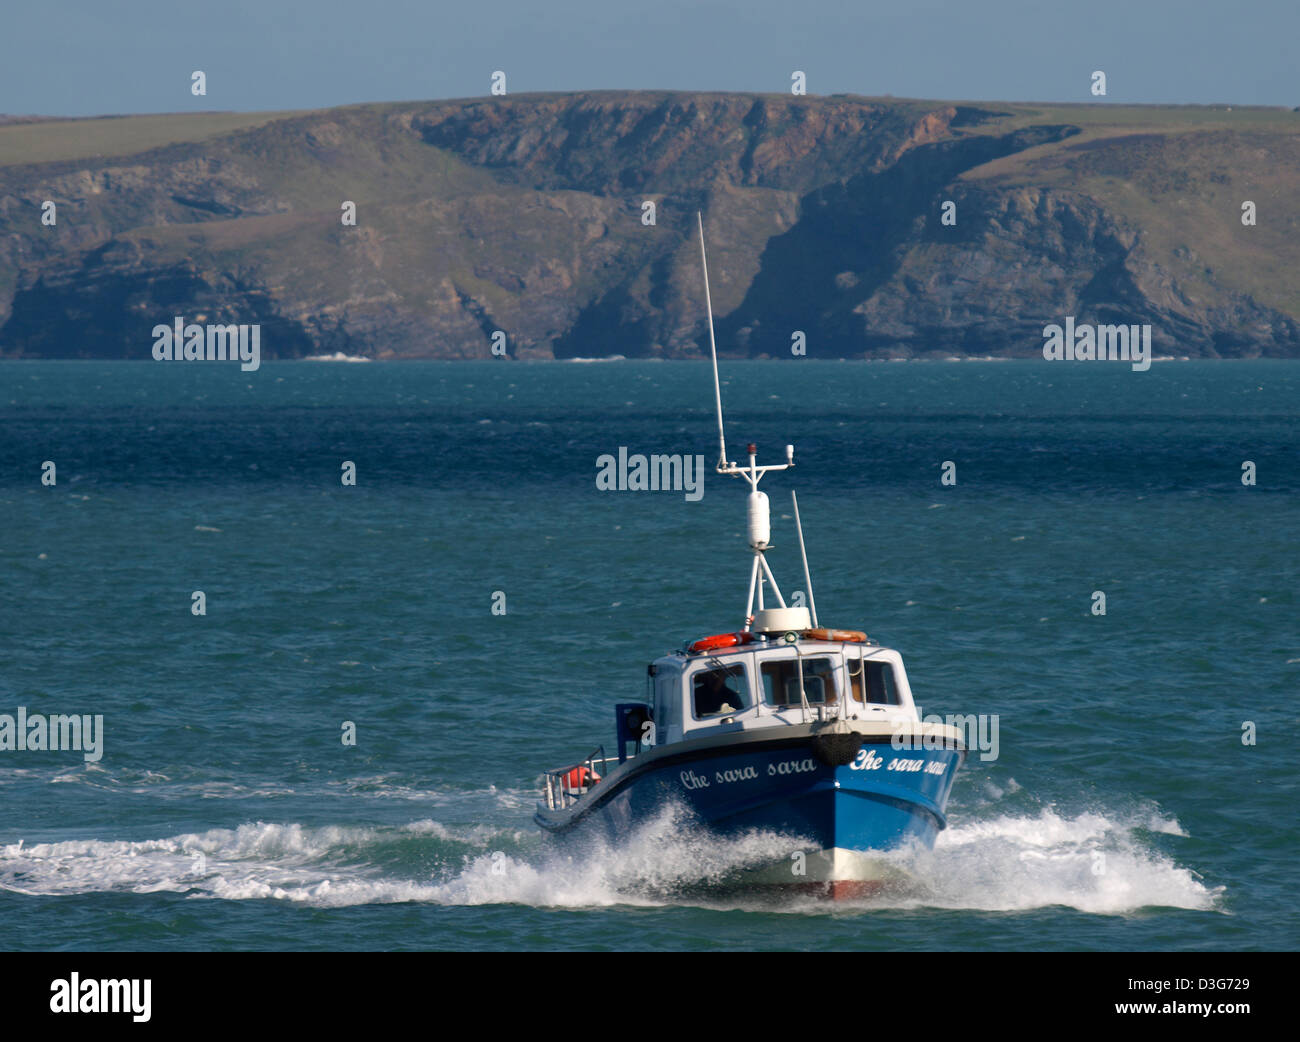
(78, 57)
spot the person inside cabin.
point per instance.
(714, 693)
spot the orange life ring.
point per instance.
(720, 640)
(580, 777)
(854, 636)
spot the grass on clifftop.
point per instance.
(70, 139)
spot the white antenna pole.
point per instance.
(812, 604)
(759, 518)
(713, 347)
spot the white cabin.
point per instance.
(759, 685)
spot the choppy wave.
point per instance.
(1092, 862)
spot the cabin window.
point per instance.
(879, 676)
(721, 690)
(666, 685)
(781, 681)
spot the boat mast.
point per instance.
(713, 347)
(803, 552)
(759, 514)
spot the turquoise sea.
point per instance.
(1124, 811)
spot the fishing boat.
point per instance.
(780, 726)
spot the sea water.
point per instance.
(342, 751)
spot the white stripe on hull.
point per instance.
(837, 872)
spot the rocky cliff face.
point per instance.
(524, 215)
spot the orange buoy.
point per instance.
(720, 640)
(854, 636)
(580, 777)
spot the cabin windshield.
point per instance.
(881, 687)
(721, 690)
(781, 681)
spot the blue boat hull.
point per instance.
(884, 799)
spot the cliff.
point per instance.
(524, 214)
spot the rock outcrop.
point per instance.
(525, 215)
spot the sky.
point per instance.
(88, 57)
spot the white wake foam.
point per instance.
(1092, 862)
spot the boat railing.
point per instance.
(566, 785)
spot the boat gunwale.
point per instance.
(561, 819)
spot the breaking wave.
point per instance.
(1093, 861)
